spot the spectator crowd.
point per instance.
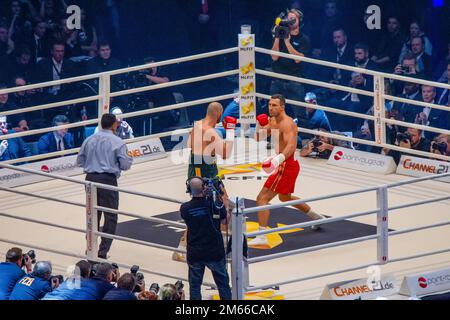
(24, 278)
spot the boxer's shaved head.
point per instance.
(215, 110)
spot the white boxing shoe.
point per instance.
(258, 241)
(315, 216)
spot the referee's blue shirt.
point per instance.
(104, 152)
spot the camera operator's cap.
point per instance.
(310, 96)
(116, 111)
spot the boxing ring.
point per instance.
(58, 217)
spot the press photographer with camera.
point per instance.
(99, 283)
(12, 271)
(288, 38)
(125, 288)
(36, 285)
(441, 145)
(205, 248)
(319, 147)
(171, 291)
(411, 139)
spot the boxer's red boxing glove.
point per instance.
(263, 120)
(229, 124)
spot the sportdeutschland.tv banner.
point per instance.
(147, 150)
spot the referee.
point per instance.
(103, 156)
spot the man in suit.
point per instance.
(443, 95)
(423, 60)
(58, 140)
(55, 68)
(36, 41)
(13, 148)
(351, 101)
(429, 116)
(342, 53)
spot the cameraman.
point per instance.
(124, 290)
(290, 40)
(36, 285)
(411, 139)
(11, 271)
(320, 147)
(205, 247)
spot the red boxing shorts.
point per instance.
(282, 181)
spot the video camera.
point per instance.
(282, 26)
(439, 146)
(30, 254)
(316, 144)
(139, 276)
(212, 189)
(403, 137)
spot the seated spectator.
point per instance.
(36, 285)
(440, 74)
(416, 31)
(330, 20)
(341, 52)
(22, 64)
(11, 271)
(443, 95)
(96, 287)
(124, 290)
(14, 148)
(37, 41)
(105, 62)
(390, 46)
(6, 44)
(316, 119)
(430, 116)
(423, 60)
(411, 139)
(319, 147)
(68, 290)
(408, 69)
(58, 140)
(6, 104)
(407, 111)
(55, 68)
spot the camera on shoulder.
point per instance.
(282, 26)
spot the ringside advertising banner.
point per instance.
(147, 150)
(362, 161)
(426, 283)
(421, 167)
(360, 289)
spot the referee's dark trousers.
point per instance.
(107, 199)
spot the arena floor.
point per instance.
(316, 178)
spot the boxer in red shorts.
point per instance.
(283, 168)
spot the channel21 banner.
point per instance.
(147, 150)
(247, 78)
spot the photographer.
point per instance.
(124, 290)
(70, 289)
(320, 147)
(11, 271)
(171, 291)
(411, 139)
(205, 247)
(34, 286)
(99, 284)
(289, 39)
(441, 145)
